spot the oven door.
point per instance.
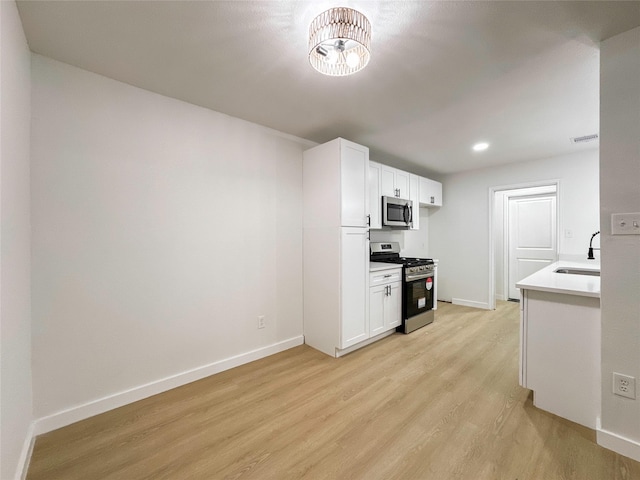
(418, 301)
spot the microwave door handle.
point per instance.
(406, 214)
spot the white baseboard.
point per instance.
(470, 303)
(25, 454)
(612, 441)
(101, 405)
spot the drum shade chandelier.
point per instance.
(339, 42)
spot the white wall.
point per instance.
(459, 230)
(161, 230)
(15, 291)
(620, 193)
(413, 243)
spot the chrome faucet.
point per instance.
(591, 249)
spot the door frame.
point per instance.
(492, 205)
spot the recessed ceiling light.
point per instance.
(478, 147)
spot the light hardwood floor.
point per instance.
(441, 403)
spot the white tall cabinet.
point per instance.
(336, 245)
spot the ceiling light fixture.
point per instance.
(479, 147)
(339, 42)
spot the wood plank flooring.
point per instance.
(441, 403)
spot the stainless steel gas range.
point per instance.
(418, 284)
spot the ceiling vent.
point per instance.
(586, 138)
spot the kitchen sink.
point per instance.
(578, 271)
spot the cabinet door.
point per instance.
(430, 192)
(393, 307)
(402, 184)
(354, 184)
(377, 300)
(414, 196)
(388, 181)
(354, 259)
(375, 201)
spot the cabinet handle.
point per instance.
(369, 219)
(433, 199)
(387, 276)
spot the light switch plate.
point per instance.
(625, 224)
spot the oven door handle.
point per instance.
(419, 276)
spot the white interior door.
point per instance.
(532, 237)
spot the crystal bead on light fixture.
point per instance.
(339, 42)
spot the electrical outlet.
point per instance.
(624, 385)
(261, 321)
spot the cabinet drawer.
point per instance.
(385, 277)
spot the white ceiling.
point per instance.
(523, 76)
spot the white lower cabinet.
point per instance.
(385, 301)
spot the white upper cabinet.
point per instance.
(336, 185)
(354, 184)
(390, 182)
(414, 196)
(430, 193)
(375, 202)
(394, 183)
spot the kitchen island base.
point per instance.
(560, 344)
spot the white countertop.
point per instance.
(379, 266)
(547, 280)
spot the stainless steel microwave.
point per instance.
(396, 212)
